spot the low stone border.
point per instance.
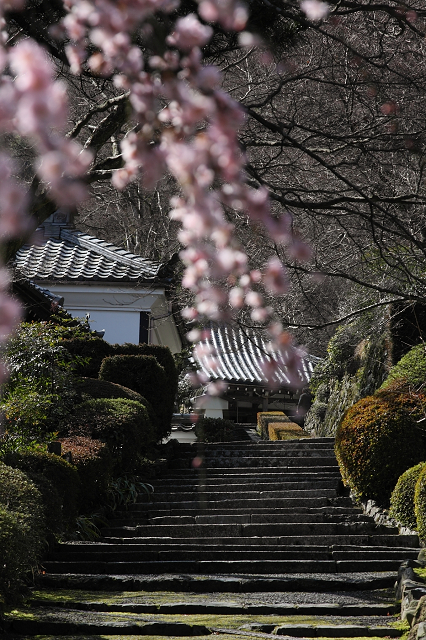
(411, 592)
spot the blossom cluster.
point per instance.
(182, 121)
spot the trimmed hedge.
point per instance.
(265, 418)
(214, 430)
(95, 465)
(420, 504)
(402, 498)
(144, 375)
(87, 353)
(95, 388)
(123, 424)
(377, 440)
(21, 530)
(286, 431)
(61, 474)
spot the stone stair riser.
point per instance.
(385, 540)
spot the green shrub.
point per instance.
(21, 530)
(409, 372)
(214, 430)
(40, 389)
(61, 474)
(164, 357)
(87, 353)
(123, 424)
(377, 440)
(52, 504)
(30, 416)
(402, 498)
(95, 465)
(144, 375)
(162, 354)
(420, 504)
(95, 388)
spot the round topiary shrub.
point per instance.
(377, 440)
(214, 430)
(87, 353)
(420, 504)
(123, 424)
(21, 530)
(95, 388)
(146, 376)
(402, 498)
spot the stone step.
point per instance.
(260, 495)
(247, 504)
(188, 471)
(222, 516)
(270, 518)
(383, 541)
(197, 583)
(188, 604)
(172, 510)
(158, 553)
(259, 452)
(260, 478)
(164, 545)
(302, 443)
(258, 462)
(75, 622)
(247, 530)
(250, 485)
(324, 631)
(223, 567)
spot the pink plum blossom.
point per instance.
(314, 9)
(189, 33)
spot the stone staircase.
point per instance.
(240, 539)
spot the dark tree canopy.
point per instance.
(335, 131)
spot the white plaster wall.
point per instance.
(117, 310)
(120, 326)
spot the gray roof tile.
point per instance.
(239, 355)
(78, 256)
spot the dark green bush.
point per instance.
(61, 474)
(164, 357)
(144, 375)
(402, 498)
(420, 504)
(87, 353)
(214, 430)
(95, 465)
(377, 440)
(123, 424)
(95, 388)
(409, 372)
(21, 530)
(52, 505)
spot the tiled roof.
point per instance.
(239, 357)
(78, 256)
